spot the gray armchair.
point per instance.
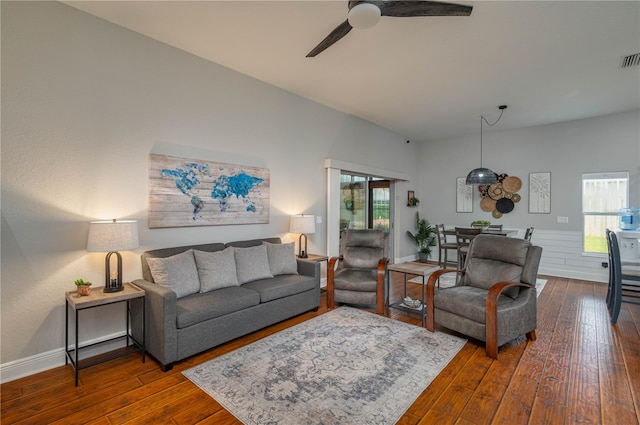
(495, 298)
(359, 278)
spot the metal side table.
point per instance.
(98, 298)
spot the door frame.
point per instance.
(334, 170)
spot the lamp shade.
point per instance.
(481, 176)
(364, 15)
(302, 224)
(112, 236)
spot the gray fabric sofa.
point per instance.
(179, 325)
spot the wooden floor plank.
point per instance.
(581, 369)
(150, 403)
(547, 412)
(112, 401)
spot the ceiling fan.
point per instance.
(365, 14)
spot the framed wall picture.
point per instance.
(540, 193)
(190, 192)
(411, 198)
(464, 196)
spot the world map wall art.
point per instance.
(188, 192)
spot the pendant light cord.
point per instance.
(502, 108)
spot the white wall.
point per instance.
(606, 143)
(84, 102)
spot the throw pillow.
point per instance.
(282, 258)
(216, 269)
(178, 273)
(252, 263)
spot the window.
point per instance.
(603, 194)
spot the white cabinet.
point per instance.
(629, 245)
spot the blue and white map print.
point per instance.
(185, 192)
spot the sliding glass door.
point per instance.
(353, 202)
(379, 216)
(364, 202)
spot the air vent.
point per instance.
(630, 60)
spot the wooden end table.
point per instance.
(98, 298)
(412, 268)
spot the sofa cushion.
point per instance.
(282, 258)
(252, 263)
(495, 259)
(205, 306)
(216, 269)
(281, 286)
(168, 252)
(252, 242)
(178, 273)
(483, 273)
(356, 280)
(469, 302)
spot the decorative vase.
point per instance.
(83, 290)
(422, 257)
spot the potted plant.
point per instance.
(424, 238)
(83, 287)
(480, 224)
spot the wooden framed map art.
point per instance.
(189, 192)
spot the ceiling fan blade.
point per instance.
(404, 9)
(335, 35)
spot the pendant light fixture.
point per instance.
(484, 176)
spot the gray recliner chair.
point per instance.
(495, 298)
(359, 278)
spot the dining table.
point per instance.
(464, 242)
(503, 232)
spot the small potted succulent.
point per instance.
(480, 224)
(83, 287)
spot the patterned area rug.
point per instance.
(449, 280)
(347, 366)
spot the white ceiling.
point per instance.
(426, 77)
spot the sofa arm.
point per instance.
(309, 268)
(161, 333)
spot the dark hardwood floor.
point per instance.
(581, 370)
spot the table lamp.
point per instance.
(304, 225)
(111, 237)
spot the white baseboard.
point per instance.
(29, 365)
(20, 368)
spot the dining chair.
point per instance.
(619, 292)
(464, 236)
(444, 246)
(528, 233)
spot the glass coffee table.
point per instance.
(410, 268)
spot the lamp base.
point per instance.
(113, 288)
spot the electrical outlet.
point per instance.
(318, 219)
(563, 220)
